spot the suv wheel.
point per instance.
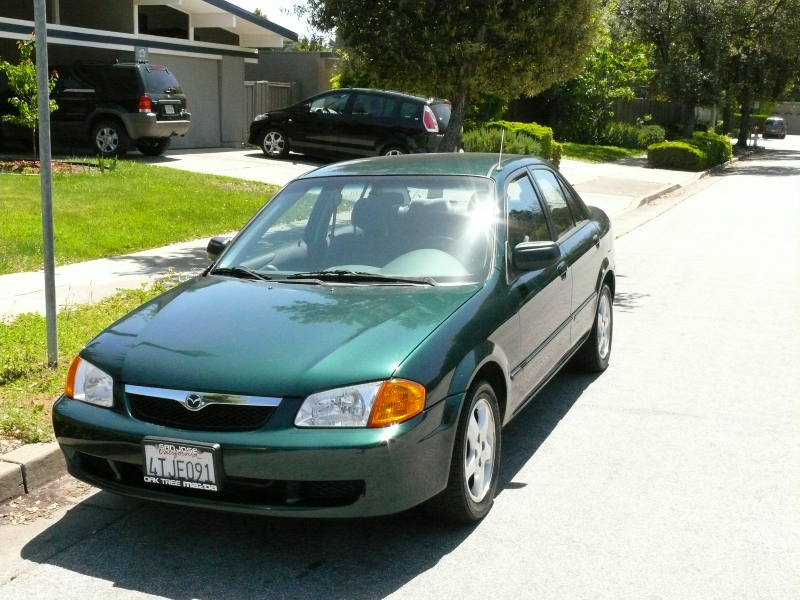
(153, 146)
(109, 138)
(274, 143)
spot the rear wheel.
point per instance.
(109, 138)
(274, 143)
(393, 151)
(596, 350)
(474, 467)
(154, 146)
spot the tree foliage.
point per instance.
(459, 49)
(24, 88)
(719, 51)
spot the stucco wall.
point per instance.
(790, 111)
(311, 71)
(231, 100)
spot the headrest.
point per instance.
(376, 211)
(426, 206)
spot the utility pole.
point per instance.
(46, 179)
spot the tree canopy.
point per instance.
(456, 49)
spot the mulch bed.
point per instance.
(31, 167)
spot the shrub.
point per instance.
(488, 140)
(540, 133)
(717, 147)
(622, 135)
(677, 155)
(651, 134)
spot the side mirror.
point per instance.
(533, 256)
(215, 247)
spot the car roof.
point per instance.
(398, 94)
(447, 163)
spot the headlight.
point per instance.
(87, 383)
(260, 117)
(376, 404)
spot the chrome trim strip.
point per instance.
(207, 397)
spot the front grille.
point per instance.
(258, 492)
(212, 417)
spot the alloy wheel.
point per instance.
(273, 143)
(107, 140)
(479, 443)
(604, 326)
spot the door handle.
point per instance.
(562, 270)
(596, 240)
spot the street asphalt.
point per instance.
(672, 475)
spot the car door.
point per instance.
(75, 96)
(543, 297)
(580, 243)
(322, 128)
(369, 122)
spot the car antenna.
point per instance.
(499, 158)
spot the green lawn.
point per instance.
(134, 207)
(597, 154)
(27, 387)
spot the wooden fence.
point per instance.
(262, 96)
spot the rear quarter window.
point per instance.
(410, 110)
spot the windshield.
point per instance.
(431, 227)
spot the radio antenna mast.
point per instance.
(499, 158)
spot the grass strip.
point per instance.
(597, 154)
(102, 213)
(28, 388)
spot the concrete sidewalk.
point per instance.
(615, 187)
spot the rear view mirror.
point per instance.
(533, 256)
(215, 247)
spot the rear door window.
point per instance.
(159, 80)
(556, 200)
(369, 104)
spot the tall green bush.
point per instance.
(551, 150)
(623, 135)
(489, 139)
(651, 134)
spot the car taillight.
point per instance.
(145, 105)
(429, 120)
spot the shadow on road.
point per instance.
(186, 260)
(182, 553)
(759, 164)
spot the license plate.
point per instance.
(180, 464)
(169, 109)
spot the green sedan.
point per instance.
(356, 349)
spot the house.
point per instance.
(205, 43)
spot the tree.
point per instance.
(260, 13)
(22, 83)
(505, 48)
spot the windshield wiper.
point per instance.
(241, 272)
(346, 275)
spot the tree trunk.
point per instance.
(726, 119)
(452, 137)
(688, 122)
(744, 125)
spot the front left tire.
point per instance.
(274, 143)
(474, 467)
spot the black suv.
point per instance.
(353, 122)
(113, 105)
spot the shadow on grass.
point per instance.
(178, 552)
(599, 154)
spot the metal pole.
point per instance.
(46, 178)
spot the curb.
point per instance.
(671, 188)
(29, 468)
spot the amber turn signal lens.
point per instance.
(398, 400)
(69, 389)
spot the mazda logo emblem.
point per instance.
(194, 402)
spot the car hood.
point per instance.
(271, 339)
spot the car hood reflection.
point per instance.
(268, 339)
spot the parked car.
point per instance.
(112, 106)
(774, 126)
(353, 122)
(355, 349)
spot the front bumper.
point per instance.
(277, 470)
(147, 125)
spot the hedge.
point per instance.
(717, 147)
(677, 155)
(488, 140)
(551, 150)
